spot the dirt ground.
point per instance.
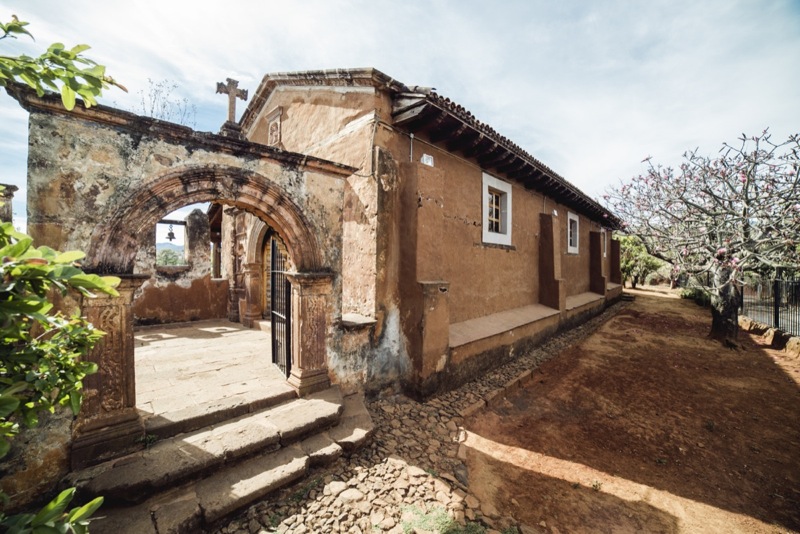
(647, 426)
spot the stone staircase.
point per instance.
(186, 482)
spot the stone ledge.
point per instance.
(487, 326)
(583, 299)
(355, 321)
(496, 396)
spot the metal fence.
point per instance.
(774, 302)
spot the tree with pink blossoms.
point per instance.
(717, 218)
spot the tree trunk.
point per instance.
(724, 309)
(634, 281)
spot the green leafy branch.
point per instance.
(40, 351)
(54, 518)
(60, 69)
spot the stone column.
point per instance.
(252, 309)
(310, 311)
(6, 196)
(108, 424)
(597, 282)
(551, 286)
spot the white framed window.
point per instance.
(604, 239)
(496, 211)
(573, 236)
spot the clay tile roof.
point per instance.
(430, 112)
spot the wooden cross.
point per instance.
(233, 92)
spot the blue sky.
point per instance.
(589, 87)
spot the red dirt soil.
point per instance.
(647, 426)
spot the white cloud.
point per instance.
(588, 88)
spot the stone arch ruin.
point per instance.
(113, 247)
(99, 178)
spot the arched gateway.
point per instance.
(101, 178)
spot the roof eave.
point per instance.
(460, 132)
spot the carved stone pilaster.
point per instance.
(253, 294)
(6, 196)
(108, 423)
(310, 310)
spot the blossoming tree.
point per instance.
(716, 218)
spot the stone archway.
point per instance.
(113, 246)
(98, 177)
(109, 412)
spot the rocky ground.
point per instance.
(409, 478)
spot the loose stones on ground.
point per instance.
(410, 468)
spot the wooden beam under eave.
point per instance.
(483, 144)
(524, 171)
(514, 164)
(464, 140)
(453, 131)
(504, 156)
(416, 118)
(490, 155)
(401, 102)
(437, 126)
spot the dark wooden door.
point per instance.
(281, 311)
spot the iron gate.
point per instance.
(280, 311)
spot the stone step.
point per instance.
(195, 506)
(265, 325)
(355, 428)
(171, 461)
(209, 413)
(189, 508)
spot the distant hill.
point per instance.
(169, 246)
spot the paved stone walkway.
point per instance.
(180, 367)
(410, 477)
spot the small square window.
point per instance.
(573, 236)
(496, 211)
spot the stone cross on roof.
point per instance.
(232, 90)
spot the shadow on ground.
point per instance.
(649, 420)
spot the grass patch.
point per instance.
(302, 493)
(438, 520)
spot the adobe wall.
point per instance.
(180, 293)
(448, 275)
(484, 278)
(575, 267)
(337, 124)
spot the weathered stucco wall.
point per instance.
(449, 275)
(180, 293)
(196, 300)
(86, 174)
(340, 124)
(337, 124)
